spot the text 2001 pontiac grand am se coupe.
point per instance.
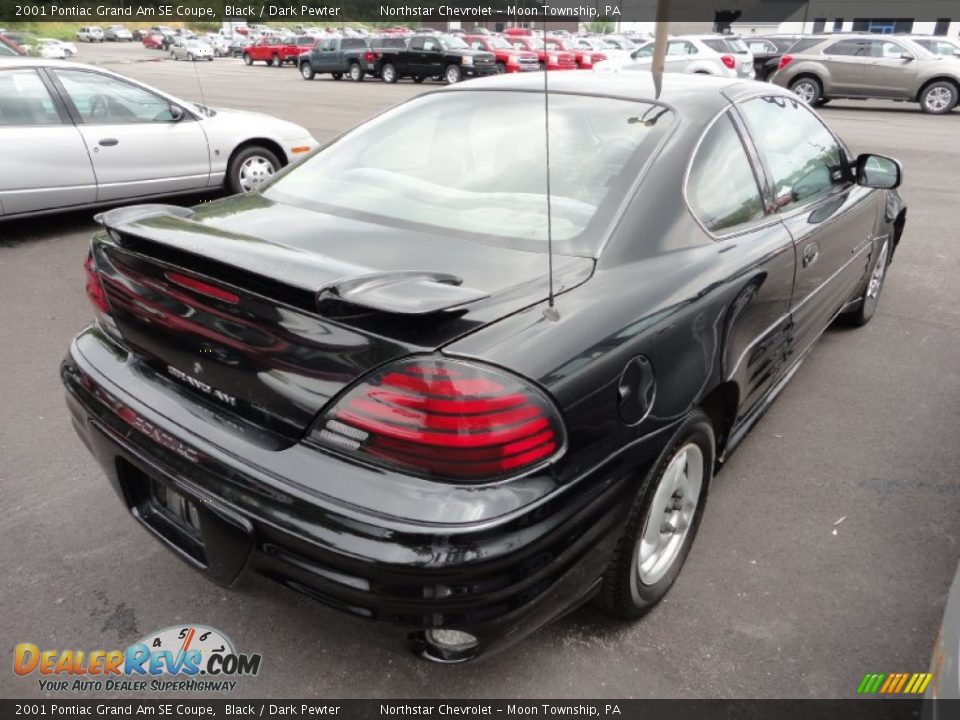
(352, 381)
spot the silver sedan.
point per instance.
(190, 50)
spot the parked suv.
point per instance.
(872, 66)
(90, 33)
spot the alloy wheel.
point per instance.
(876, 277)
(671, 514)
(806, 91)
(938, 99)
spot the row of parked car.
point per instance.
(820, 68)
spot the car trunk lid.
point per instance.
(271, 330)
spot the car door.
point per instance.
(829, 216)
(727, 193)
(136, 146)
(887, 74)
(845, 62)
(431, 58)
(45, 160)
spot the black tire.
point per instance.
(501, 68)
(247, 59)
(870, 297)
(356, 72)
(822, 101)
(452, 74)
(275, 61)
(233, 182)
(808, 89)
(191, 58)
(939, 98)
(418, 79)
(306, 71)
(388, 73)
(622, 593)
(337, 76)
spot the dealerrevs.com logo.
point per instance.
(185, 658)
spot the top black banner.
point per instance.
(753, 12)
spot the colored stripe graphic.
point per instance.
(894, 683)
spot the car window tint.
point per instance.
(802, 156)
(24, 99)
(431, 45)
(645, 51)
(849, 47)
(722, 189)
(103, 99)
(803, 45)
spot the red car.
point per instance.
(509, 58)
(153, 41)
(547, 58)
(275, 51)
(586, 58)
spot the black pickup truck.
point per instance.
(445, 57)
(338, 56)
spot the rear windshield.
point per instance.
(726, 45)
(475, 167)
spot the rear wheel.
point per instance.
(939, 98)
(388, 73)
(306, 70)
(250, 168)
(247, 59)
(276, 61)
(662, 523)
(452, 74)
(356, 72)
(501, 68)
(807, 89)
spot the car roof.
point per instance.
(690, 95)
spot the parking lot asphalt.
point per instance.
(827, 547)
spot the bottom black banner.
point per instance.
(640, 709)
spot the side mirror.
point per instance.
(176, 113)
(907, 56)
(877, 171)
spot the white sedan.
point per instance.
(77, 136)
(54, 49)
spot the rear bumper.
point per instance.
(498, 581)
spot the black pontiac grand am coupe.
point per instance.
(354, 382)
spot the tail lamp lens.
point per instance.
(94, 288)
(784, 61)
(729, 61)
(445, 419)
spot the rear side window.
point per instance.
(352, 44)
(681, 48)
(24, 99)
(859, 48)
(722, 189)
(803, 157)
(801, 46)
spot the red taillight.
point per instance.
(729, 60)
(369, 56)
(447, 419)
(203, 288)
(784, 61)
(94, 286)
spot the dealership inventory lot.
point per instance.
(831, 538)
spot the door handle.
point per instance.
(810, 254)
(109, 142)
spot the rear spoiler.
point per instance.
(401, 292)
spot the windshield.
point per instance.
(452, 42)
(499, 43)
(447, 163)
